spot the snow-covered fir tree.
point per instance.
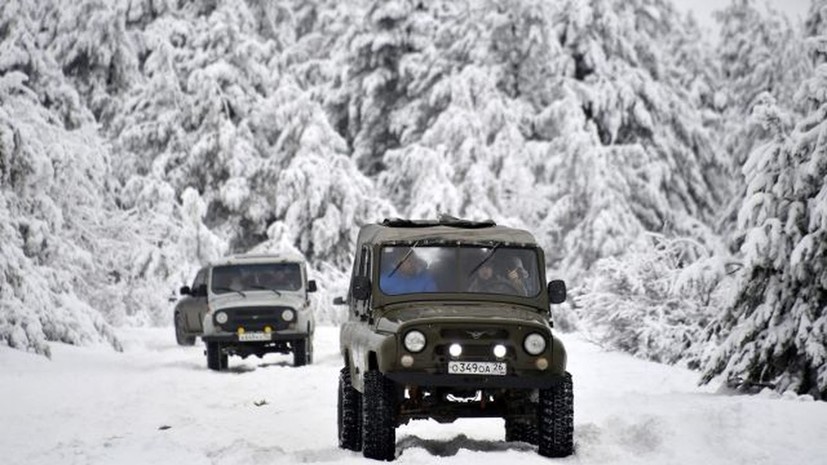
(374, 86)
(53, 196)
(655, 302)
(652, 165)
(759, 54)
(775, 333)
(239, 128)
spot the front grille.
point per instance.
(255, 318)
(477, 341)
(474, 334)
(472, 351)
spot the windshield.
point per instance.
(410, 269)
(255, 277)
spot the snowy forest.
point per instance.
(677, 181)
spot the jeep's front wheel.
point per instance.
(349, 414)
(180, 334)
(300, 353)
(216, 358)
(555, 419)
(379, 417)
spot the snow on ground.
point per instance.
(157, 403)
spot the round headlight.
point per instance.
(499, 351)
(455, 350)
(534, 344)
(414, 341)
(287, 315)
(221, 318)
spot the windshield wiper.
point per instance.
(265, 288)
(229, 290)
(410, 251)
(485, 259)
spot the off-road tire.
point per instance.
(216, 359)
(180, 336)
(379, 417)
(555, 419)
(300, 353)
(522, 431)
(350, 413)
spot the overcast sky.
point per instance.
(795, 9)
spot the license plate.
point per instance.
(254, 337)
(477, 368)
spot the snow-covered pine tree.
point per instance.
(462, 127)
(373, 87)
(645, 160)
(318, 193)
(759, 52)
(52, 196)
(775, 333)
(652, 302)
(223, 110)
(89, 39)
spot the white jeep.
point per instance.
(251, 305)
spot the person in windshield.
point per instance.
(506, 275)
(405, 273)
(239, 282)
(483, 278)
(516, 275)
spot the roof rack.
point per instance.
(443, 220)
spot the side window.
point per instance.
(200, 279)
(364, 262)
(363, 268)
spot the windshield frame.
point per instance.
(459, 291)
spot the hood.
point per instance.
(430, 313)
(258, 298)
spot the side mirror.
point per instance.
(200, 291)
(339, 301)
(184, 290)
(557, 291)
(360, 288)
(311, 286)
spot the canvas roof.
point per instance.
(463, 232)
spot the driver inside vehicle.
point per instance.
(505, 275)
(403, 272)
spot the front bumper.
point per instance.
(280, 336)
(513, 381)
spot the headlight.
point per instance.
(221, 318)
(287, 315)
(414, 341)
(534, 344)
(455, 350)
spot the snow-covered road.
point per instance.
(157, 403)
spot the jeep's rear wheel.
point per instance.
(555, 419)
(300, 353)
(350, 413)
(216, 358)
(379, 417)
(180, 334)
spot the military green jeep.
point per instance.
(450, 319)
